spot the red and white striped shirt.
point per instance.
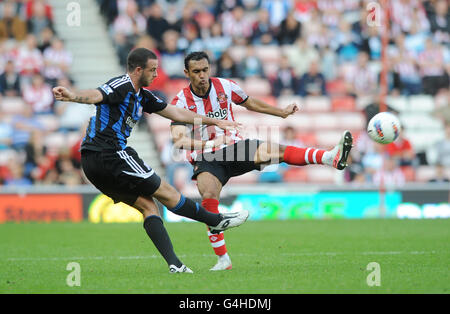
(217, 103)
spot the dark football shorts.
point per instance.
(121, 175)
(231, 161)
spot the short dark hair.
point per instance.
(138, 58)
(196, 56)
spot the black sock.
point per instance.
(154, 227)
(188, 208)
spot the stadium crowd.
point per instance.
(313, 48)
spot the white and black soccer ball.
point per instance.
(384, 128)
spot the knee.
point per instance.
(146, 206)
(210, 194)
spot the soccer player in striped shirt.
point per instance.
(217, 156)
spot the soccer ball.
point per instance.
(384, 128)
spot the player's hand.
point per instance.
(291, 109)
(63, 94)
(228, 125)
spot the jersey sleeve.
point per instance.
(112, 95)
(178, 102)
(153, 103)
(238, 96)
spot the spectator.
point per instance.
(35, 155)
(39, 96)
(431, 62)
(131, 23)
(440, 21)
(45, 39)
(311, 24)
(29, 59)
(57, 60)
(30, 8)
(17, 176)
(415, 40)
(191, 41)
(300, 56)
(328, 63)
(407, 14)
(278, 10)
(172, 58)
(275, 173)
(439, 175)
(371, 43)
(390, 175)
(372, 160)
(10, 81)
(402, 150)
(285, 82)
(223, 6)
(361, 79)
(290, 30)
(226, 67)
(442, 149)
(187, 22)
(251, 65)
(346, 43)
(40, 18)
(6, 132)
(312, 83)
(262, 31)
(217, 43)
(157, 25)
(11, 25)
(173, 160)
(66, 167)
(237, 25)
(305, 9)
(407, 68)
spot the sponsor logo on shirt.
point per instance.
(220, 114)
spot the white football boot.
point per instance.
(230, 220)
(223, 263)
(337, 157)
(182, 269)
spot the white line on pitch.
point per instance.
(209, 255)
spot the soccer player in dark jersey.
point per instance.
(116, 169)
(218, 156)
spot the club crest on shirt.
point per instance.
(222, 97)
(106, 88)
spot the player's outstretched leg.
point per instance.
(336, 157)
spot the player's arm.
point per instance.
(185, 116)
(182, 139)
(88, 96)
(257, 105)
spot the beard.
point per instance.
(144, 81)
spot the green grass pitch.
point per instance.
(303, 256)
